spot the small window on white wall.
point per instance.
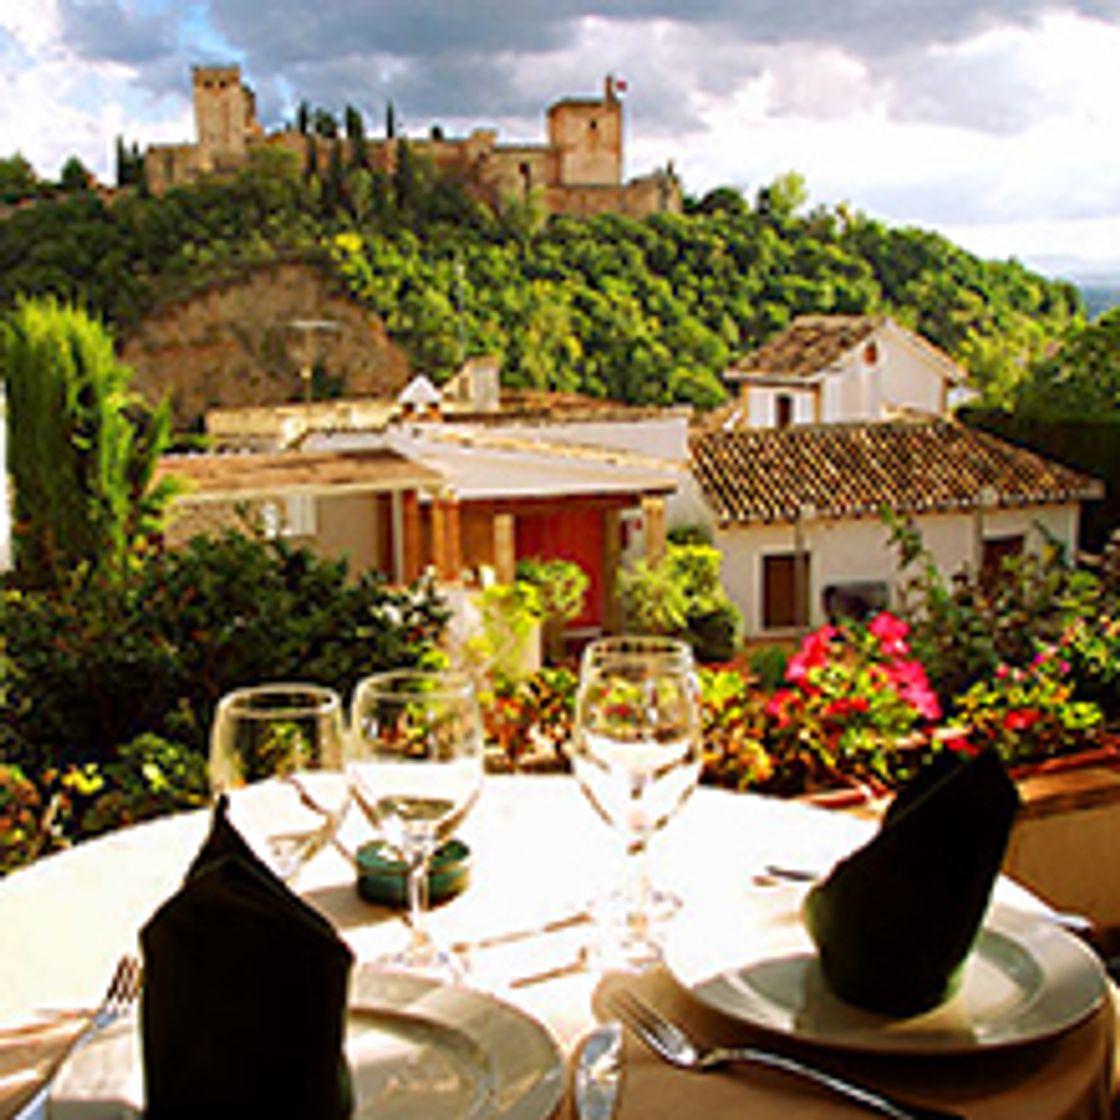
(783, 410)
(292, 517)
(301, 515)
(270, 520)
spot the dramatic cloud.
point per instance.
(104, 31)
(947, 112)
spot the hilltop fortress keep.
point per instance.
(578, 171)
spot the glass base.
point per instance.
(424, 957)
(629, 934)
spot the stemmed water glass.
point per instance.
(636, 755)
(292, 732)
(415, 770)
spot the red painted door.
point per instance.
(569, 535)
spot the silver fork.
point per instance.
(669, 1041)
(122, 992)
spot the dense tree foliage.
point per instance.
(1081, 379)
(648, 311)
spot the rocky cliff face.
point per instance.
(248, 341)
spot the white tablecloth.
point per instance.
(539, 854)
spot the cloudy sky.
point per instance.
(994, 121)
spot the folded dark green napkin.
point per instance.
(243, 1011)
(894, 922)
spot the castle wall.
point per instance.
(516, 172)
(168, 165)
(637, 199)
(578, 172)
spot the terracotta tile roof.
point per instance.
(807, 346)
(241, 474)
(853, 470)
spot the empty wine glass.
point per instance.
(636, 755)
(415, 769)
(291, 732)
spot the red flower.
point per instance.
(961, 745)
(1021, 719)
(844, 706)
(777, 706)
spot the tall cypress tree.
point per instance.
(356, 135)
(82, 449)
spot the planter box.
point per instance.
(1064, 845)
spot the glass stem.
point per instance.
(418, 858)
(637, 884)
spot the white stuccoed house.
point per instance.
(836, 419)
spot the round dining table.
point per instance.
(539, 854)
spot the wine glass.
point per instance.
(291, 732)
(415, 770)
(636, 755)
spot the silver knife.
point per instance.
(599, 1073)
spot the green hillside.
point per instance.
(643, 311)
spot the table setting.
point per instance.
(365, 924)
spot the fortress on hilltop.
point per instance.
(577, 171)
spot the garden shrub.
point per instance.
(502, 651)
(768, 664)
(561, 587)
(682, 596)
(531, 719)
(714, 633)
(1028, 712)
(21, 819)
(733, 719)
(84, 675)
(965, 626)
(856, 703)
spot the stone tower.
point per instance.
(587, 138)
(225, 117)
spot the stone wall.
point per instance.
(234, 345)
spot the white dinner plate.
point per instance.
(418, 1050)
(1025, 980)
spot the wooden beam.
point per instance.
(612, 558)
(653, 513)
(505, 547)
(411, 560)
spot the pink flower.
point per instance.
(812, 654)
(905, 674)
(891, 632)
(1002, 672)
(923, 700)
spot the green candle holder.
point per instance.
(382, 878)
